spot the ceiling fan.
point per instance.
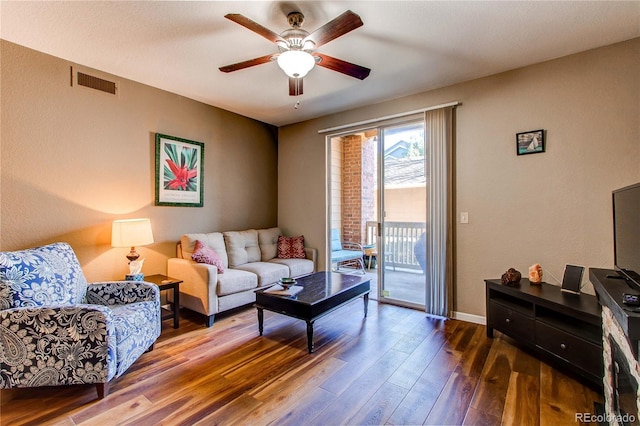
(297, 55)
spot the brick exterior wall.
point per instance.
(358, 189)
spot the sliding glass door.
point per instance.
(379, 199)
(391, 191)
(403, 214)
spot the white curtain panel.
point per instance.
(438, 135)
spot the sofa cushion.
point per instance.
(297, 267)
(267, 272)
(268, 241)
(205, 254)
(291, 247)
(214, 240)
(235, 280)
(242, 247)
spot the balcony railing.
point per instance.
(400, 239)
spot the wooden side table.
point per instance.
(167, 283)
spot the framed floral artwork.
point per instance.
(179, 172)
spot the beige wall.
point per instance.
(405, 204)
(552, 208)
(74, 159)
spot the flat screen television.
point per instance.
(626, 232)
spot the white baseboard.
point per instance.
(476, 319)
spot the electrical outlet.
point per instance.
(464, 217)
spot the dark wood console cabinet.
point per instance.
(561, 328)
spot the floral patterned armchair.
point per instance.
(57, 330)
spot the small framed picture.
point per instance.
(531, 142)
(179, 174)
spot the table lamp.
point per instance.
(132, 233)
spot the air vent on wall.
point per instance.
(92, 82)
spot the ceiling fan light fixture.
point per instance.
(296, 63)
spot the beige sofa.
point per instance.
(250, 262)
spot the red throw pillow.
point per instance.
(291, 247)
(202, 253)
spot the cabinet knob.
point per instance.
(508, 320)
(563, 346)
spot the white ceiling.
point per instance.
(411, 46)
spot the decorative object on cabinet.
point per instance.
(512, 277)
(531, 142)
(535, 273)
(179, 172)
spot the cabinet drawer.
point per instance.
(573, 349)
(511, 322)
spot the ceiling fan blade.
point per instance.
(255, 27)
(344, 67)
(335, 28)
(247, 64)
(295, 86)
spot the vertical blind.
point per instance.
(438, 135)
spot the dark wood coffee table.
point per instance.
(323, 292)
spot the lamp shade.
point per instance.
(131, 232)
(296, 63)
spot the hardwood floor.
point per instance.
(396, 367)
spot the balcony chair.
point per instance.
(57, 330)
(344, 253)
